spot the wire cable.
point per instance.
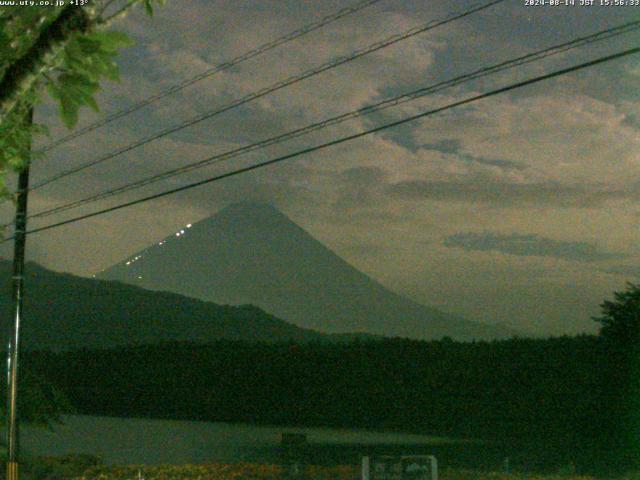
(272, 88)
(311, 27)
(339, 141)
(379, 106)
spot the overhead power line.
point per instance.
(272, 88)
(379, 106)
(339, 141)
(311, 27)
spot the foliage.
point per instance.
(620, 319)
(476, 475)
(39, 402)
(274, 472)
(18, 31)
(218, 471)
(15, 138)
(64, 50)
(537, 397)
(59, 467)
(620, 370)
(551, 402)
(85, 60)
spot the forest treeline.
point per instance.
(565, 395)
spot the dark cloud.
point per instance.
(359, 187)
(452, 146)
(509, 194)
(529, 245)
(631, 271)
(448, 145)
(363, 176)
(372, 219)
(632, 119)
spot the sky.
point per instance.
(520, 209)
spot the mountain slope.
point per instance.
(252, 253)
(63, 311)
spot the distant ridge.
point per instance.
(253, 253)
(63, 312)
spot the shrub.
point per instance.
(60, 467)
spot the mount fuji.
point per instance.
(251, 253)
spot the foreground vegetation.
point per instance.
(77, 468)
(550, 402)
(545, 403)
(274, 472)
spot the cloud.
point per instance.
(632, 271)
(507, 194)
(452, 146)
(529, 245)
(569, 146)
(563, 137)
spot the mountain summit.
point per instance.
(251, 253)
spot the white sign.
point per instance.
(405, 467)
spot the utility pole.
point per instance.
(19, 244)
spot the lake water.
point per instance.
(147, 441)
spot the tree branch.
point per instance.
(22, 74)
(118, 13)
(106, 4)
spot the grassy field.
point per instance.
(240, 471)
(88, 467)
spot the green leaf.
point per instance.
(88, 45)
(71, 80)
(109, 42)
(112, 40)
(107, 67)
(74, 91)
(68, 111)
(54, 90)
(148, 8)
